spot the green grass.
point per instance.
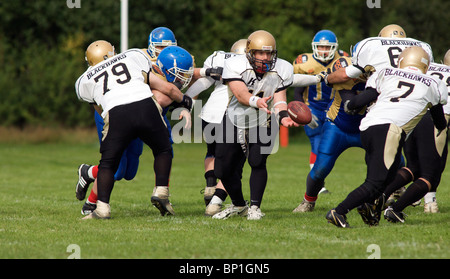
(40, 216)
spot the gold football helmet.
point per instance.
(263, 41)
(98, 51)
(392, 31)
(414, 56)
(239, 46)
(447, 58)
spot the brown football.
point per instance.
(299, 112)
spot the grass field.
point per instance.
(40, 216)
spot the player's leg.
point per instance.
(153, 132)
(133, 152)
(383, 144)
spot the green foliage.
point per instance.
(42, 43)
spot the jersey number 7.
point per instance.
(409, 91)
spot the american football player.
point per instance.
(257, 82)
(120, 98)
(341, 131)
(376, 53)
(403, 96)
(318, 96)
(212, 114)
(426, 153)
(96, 53)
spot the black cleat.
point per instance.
(337, 219)
(88, 208)
(368, 215)
(393, 216)
(83, 181)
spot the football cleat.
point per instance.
(367, 212)
(431, 207)
(83, 181)
(304, 206)
(103, 211)
(337, 219)
(88, 208)
(208, 193)
(160, 200)
(230, 211)
(212, 209)
(254, 213)
(393, 216)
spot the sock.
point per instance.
(412, 194)
(92, 198)
(310, 199)
(216, 200)
(402, 178)
(211, 179)
(313, 187)
(357, 197)
(92, 172)
(312, 159)
(430, 197)
(221, 194)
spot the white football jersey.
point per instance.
(380, 52)
(239, 68)
(115, 81)
(215, 107)
(405, 96)
(442, 72)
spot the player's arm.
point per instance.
(199, 86)
(169, 89)
(355, 103)
(280, 106)
(240, 91)
(343, 74)
(437, 113)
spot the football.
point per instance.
(299, 112)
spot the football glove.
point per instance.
(323, 76)
(314, 122)
(215, 73)
(349, 111)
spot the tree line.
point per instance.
(42, 43)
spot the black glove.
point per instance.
(349, 111)
(215, 73)
(186, 102)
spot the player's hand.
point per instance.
(262, 104)
(186, 102)
(349, 111)
(314, 122)
(288, 122)
(187, 116)
(215, 73)
(322, 76)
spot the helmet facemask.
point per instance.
(324, 55)
(262, 66)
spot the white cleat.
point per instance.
(230, 211)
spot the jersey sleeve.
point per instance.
(286, 74)
(232, 69)
(82, 91)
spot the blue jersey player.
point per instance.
(341, 131)
(317, 96)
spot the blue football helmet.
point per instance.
(324, 38)
(160, 36)
(176, 64)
